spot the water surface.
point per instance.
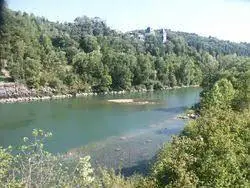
(107, 131)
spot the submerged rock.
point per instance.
(117, 149)
(130, 101)
(188, 116)
(164, 131)
(149, 141)
(123, 138)
(182, 117)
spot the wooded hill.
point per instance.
(87, 55)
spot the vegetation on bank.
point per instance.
(213, 150)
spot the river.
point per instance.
(111, 133)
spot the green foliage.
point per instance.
(5, 163)
(35, 167)
(109, 179)
(215, 46)
(242, 96)
(89, 44)
(32, 70)
(84, 173)
(220, 95)
(92, 71)
(87, 55)
(231, 73)
(144, 71)
(213, 152)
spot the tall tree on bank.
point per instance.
(2, 4)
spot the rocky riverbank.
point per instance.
(191, 113)
(14, 92)
(188, 116)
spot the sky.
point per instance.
(224, 19)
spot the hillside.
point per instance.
(87, 55)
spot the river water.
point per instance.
(113, 134)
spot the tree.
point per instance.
(221, 95)
(242, 95)
(89, 43)
(212, 152)
(120, 68)
(171, 76)
(2, 7)
(143, 71)
(32, 70)
(162, 71)
(179, 45)
(92, 71)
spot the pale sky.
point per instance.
(224, 19)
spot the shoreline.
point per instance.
(85, 94)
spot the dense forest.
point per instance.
(212, 150)
(87, 55)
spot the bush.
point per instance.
(212, 152)
(109, 179)
(158, 85)
(35, 167)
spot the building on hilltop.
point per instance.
(164, 35)
(141, 37)
(150, 30)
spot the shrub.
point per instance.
(109, 179)
(35, 167)
(212, 152)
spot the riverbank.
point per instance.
(13, 93)
(188, 116)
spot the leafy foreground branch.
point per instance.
(35, 167)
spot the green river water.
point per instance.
(113, 134)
